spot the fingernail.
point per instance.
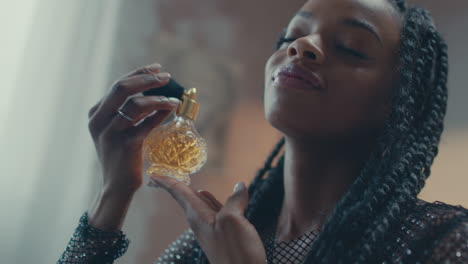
(174, 100)
(154, 66)
(164, 99)
(153, 183)
(163, 76)
(238, 187)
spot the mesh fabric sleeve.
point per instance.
(453, 247)
(181, 251)
(89, 245)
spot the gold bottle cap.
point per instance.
(189, 106)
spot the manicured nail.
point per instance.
(174, 100)
(238, 187)
(154, 66)
(163, 76)
(154, 184)
(164, 99)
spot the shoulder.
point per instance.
(442, 231)
(439, 211)
(439, 217)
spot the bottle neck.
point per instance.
(183, 118)
(188, 108)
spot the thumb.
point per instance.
(239, 199)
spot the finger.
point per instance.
(207, 201)
(137, 108)
(143, 129)
(182, 193)
(93, 126)
(152, 68)
(124, 88)
(93, 109)
(210, 200)
(238, 201)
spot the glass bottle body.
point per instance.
(175, 149)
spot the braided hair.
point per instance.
(400, 163)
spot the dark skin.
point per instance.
(357, 66)
(329, 132)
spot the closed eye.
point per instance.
(340, 47)
(351, 51)
(283, 40)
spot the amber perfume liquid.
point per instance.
(175, 150)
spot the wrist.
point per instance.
(110, 209)
(117, 193)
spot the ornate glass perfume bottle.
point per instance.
(175, 149)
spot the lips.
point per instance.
(296, 73)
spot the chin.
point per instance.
(290, 127)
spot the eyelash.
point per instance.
(339, 46)
(284, 40)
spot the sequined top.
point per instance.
(91, 245)
(431, 233)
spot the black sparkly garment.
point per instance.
(91, 245)
(278, 252)
(430, 233)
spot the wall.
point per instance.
(239, 35)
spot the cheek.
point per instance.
(359, 99)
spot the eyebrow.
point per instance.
(349, 22)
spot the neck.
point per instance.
(315, 178)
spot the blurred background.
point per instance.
(57, 58)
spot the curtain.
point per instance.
(61, 58)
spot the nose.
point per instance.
(307, 49)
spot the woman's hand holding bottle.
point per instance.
(119, 124)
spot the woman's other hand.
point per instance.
(223, 232)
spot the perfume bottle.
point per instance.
(175, 148)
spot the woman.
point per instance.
(358, 89)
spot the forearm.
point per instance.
(109, 210)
